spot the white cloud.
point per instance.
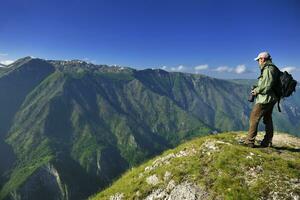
(201, 67)
(6, 62)
(289, 69)
(3, 60)
(223, 69)
(179, 68)
(164, 67)
(240, 69)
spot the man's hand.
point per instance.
(253, 92)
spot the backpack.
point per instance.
(284, 86)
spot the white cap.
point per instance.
(263, 55)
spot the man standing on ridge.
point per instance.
(265, 101)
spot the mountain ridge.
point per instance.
(73, 117)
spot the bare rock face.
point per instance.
(45, 183)
(185, 190)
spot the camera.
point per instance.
(251, 96)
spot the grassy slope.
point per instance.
(218, 103)
(93, 118)
(224, 168)
(15, 84)
(32, 148)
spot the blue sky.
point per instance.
(213, 37)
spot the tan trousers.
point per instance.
(259, 111)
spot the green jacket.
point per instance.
(265, 83)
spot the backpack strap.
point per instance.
(278, 106)
(278, 72)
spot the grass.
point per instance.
(231, 172)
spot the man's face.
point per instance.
(261, 61)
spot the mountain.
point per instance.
(69, 128)
(215, 167)
(15, 84)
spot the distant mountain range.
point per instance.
(69, 128)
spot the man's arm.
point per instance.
(267, 81)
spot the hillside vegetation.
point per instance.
(215, 167)
(59, 119)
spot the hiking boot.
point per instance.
(265, 144)
(250, 145)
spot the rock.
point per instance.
(141, 175)
(170, 186)
(167, 176)
(152, 180)
(211, 146)
(160, 161)
(138, 193)
(157, 195)
(253, 173)
(183, 191)
(250, 155)
(117, 196)
(165, 160)
(187, 191)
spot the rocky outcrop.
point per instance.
(216, 167)
(185, 190)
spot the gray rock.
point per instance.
(187, 191)
(165, 160)
(152, 180)
(117, 196)
(183, 191)
(158, 194)
(167, 176)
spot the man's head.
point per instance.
(262, 58)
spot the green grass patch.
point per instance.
(230, 171)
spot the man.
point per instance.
(265, 101)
